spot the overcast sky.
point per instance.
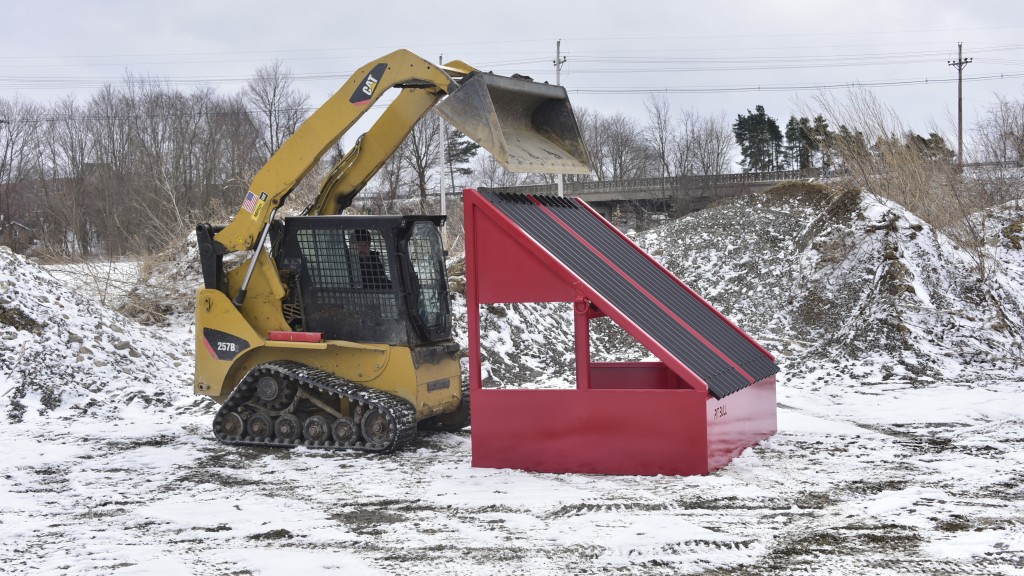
(712, 57)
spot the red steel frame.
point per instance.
(641, 418)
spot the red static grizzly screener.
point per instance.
(710, 395)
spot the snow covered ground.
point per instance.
(888, 482)
(899, 450)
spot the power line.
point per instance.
(521, 40)
(52, 83)
(586, 63)
(787, 87)
(727, 89)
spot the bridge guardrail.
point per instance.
(648, 185)
(673, 184)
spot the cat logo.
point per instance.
(368, 86)
(371, 83)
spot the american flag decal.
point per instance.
(250, 202)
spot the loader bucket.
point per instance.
(525, 125)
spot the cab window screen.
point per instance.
(348, 269)
(430, 281)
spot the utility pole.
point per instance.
(440, 131)
(960, 63)
(559, 60)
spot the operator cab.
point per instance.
(375, 279)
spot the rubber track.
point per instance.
(399, 413)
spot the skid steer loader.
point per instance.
(336, 331)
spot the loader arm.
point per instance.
(365, 158)
(423, 84)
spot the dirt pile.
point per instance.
(60, 350)
(824, 274)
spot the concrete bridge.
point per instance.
(675, 195)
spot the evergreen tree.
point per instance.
(459, 151)
(760, 141)
(824, 140)
(849, 146)
(933, 147)
(800, 143)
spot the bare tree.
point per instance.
(1000, 133)
(166, 181)
(491, 174)
(998, 143)
(682, 153)
(712, 145)
(702, 145)
(110, 120)
(19, 125)
(279, 108)
(238, 159)
(140, 162)
(63, 164)
(386, 186)
(420, 153)
(625, 152)
(658, 131)
(594, 136)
